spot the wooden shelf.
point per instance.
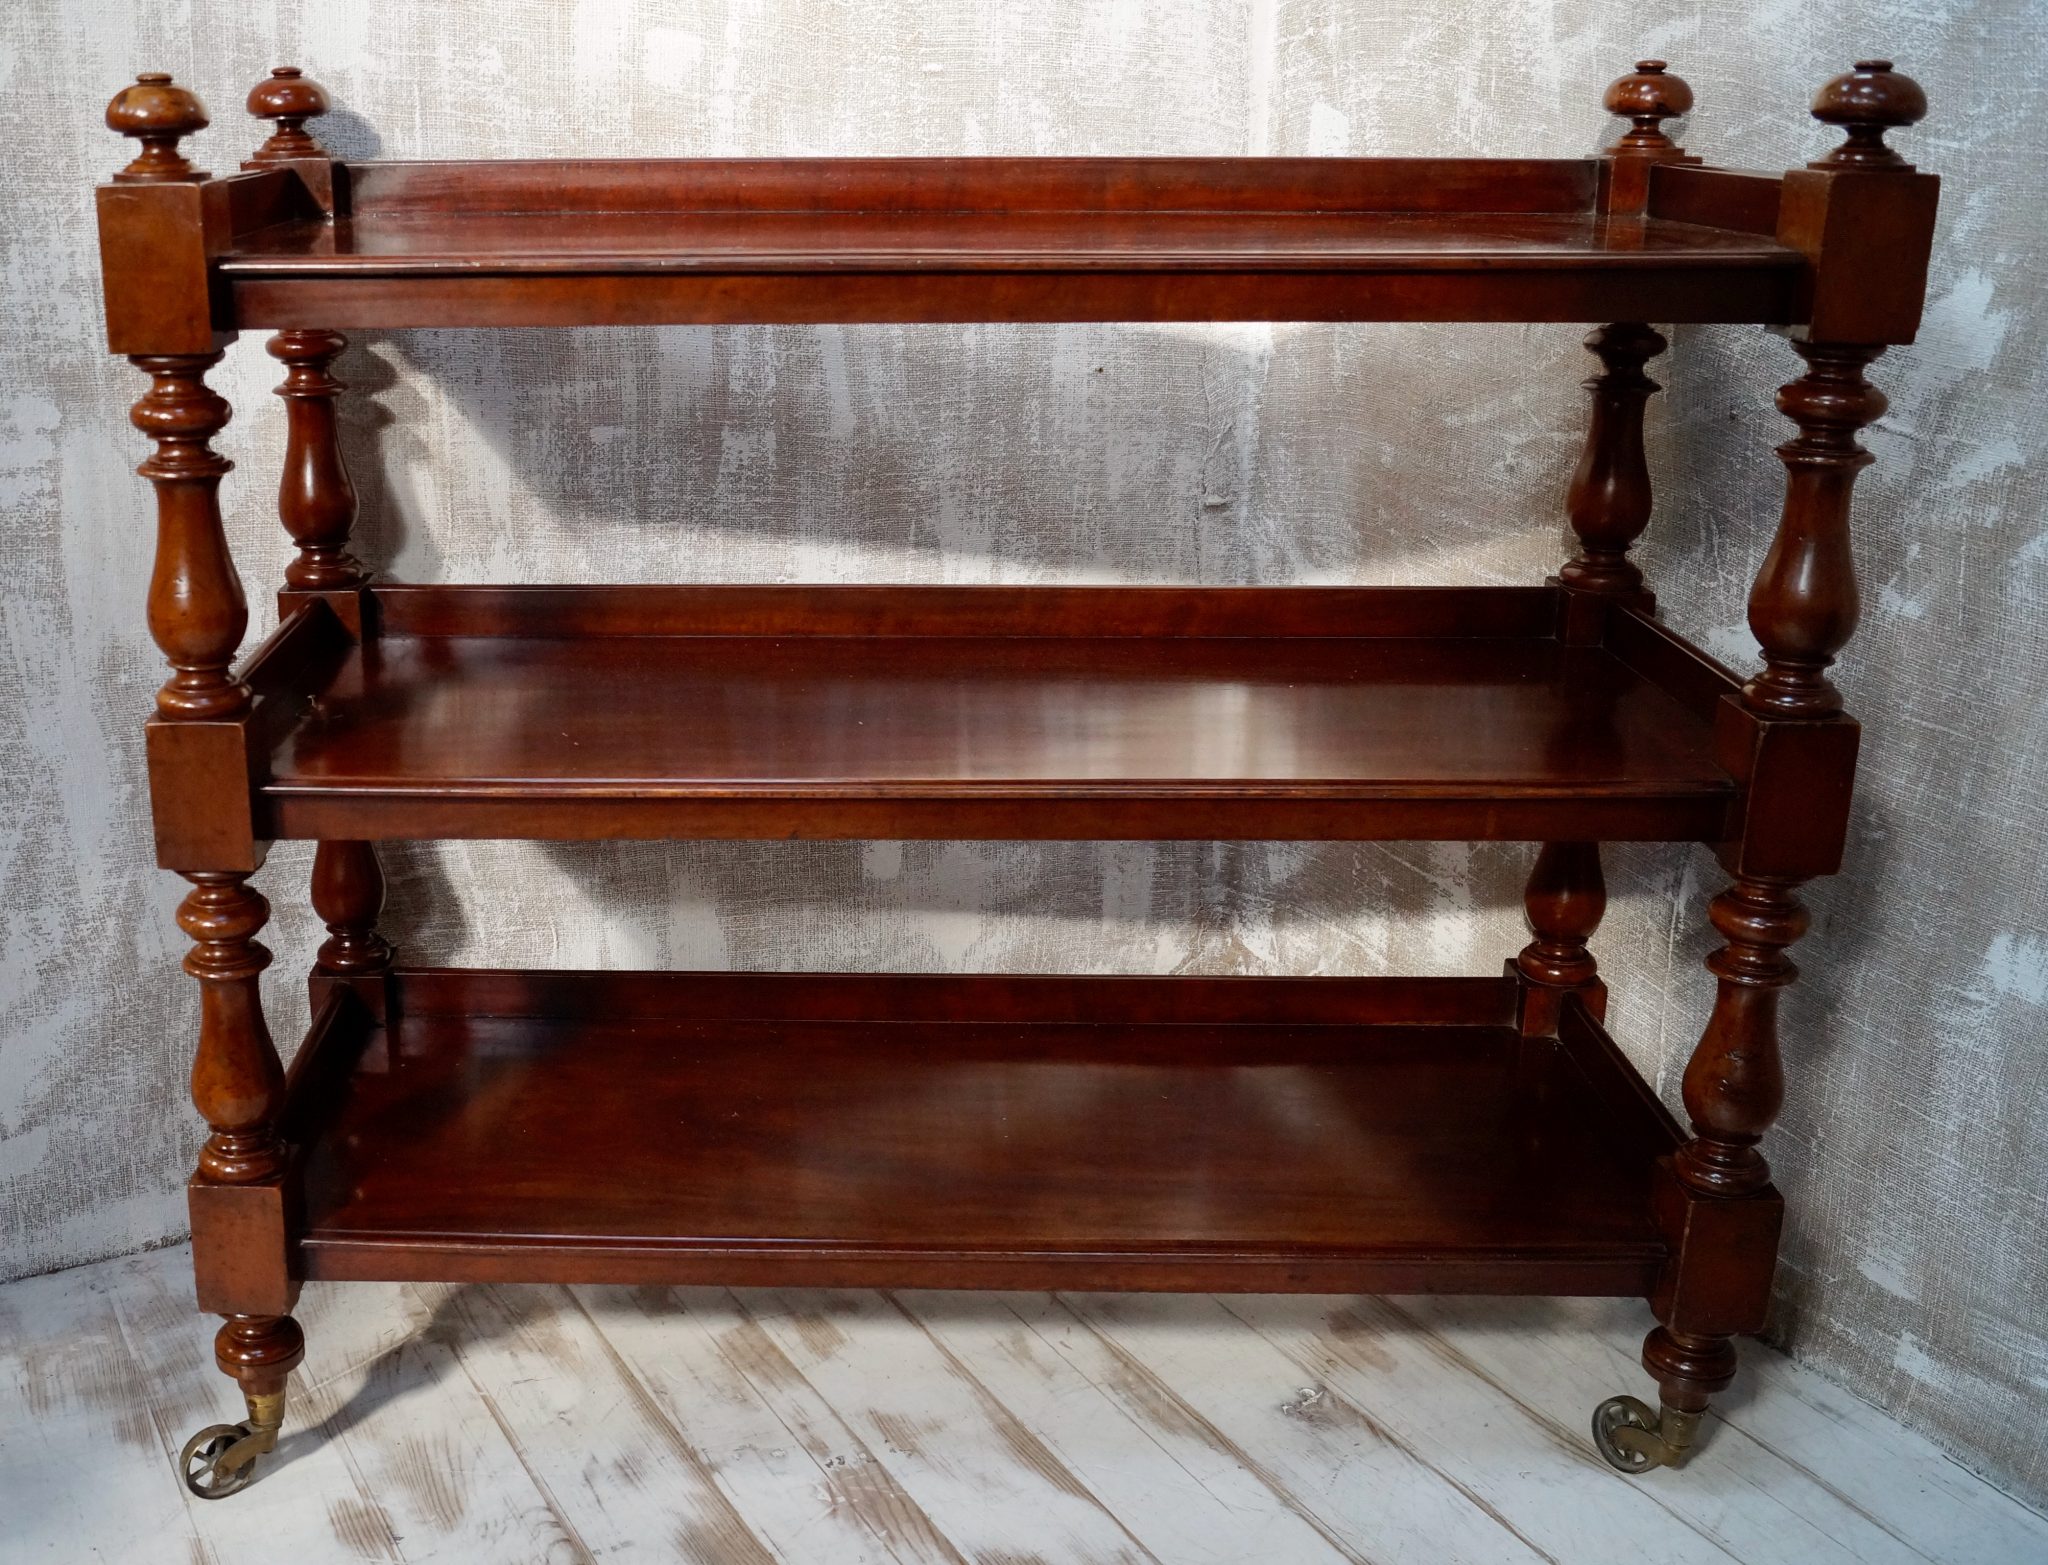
(891, 1131)
(1005, 712)
(544, 242)
(992, 239)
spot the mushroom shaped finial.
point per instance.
(158, 113)
(1868, 101)
(290, 98)
(1646, 97)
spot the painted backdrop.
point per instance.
(1914, 1145)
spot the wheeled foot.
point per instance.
(221, 1459)
(260, 1351)
(1634, 1438)
(1690, 1368)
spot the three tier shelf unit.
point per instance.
(1387, 1134)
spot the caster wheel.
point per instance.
(1635, 1437)
(215, 1462)
(1626, 1434)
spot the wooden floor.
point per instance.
(607, 1424)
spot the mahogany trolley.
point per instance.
(1388, 1134)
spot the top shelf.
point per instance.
(1836, 251)
(550, 242)
(992, 238)
(981, 239)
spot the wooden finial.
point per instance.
(159, 113)
(1645, 98)
(1868, 101)
(289, 98)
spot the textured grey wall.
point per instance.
(1914, 1147)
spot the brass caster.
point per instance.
(221, 1459)
(1634, 1438)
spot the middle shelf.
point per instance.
(941, 712)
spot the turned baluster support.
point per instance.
(1803, 609)
(1714, 1197)
(1609, 500)
(237, 1082)
(1804, 604)
(1735, 1082)
(1565, 898)
(315, 499)
(348, 894)
(196, 610)
(197, 615)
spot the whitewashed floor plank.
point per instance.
(800, 1476)
(1337, 1463)
(594, 1428)
(1185, 1493)
(1898, 1478)
(383, 1384)
(308, 1497)
(1786, 1458)
(1523, 1453)
(514, 1426)
(83, 1470)
(988, 1482)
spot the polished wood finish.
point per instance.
(289, 99)
(1646, 98)
(237, 1082)
(1566, 899)
(159, 115)
(904, 1132)
(742, 243)
(1085, 712)
(348, 894)
(1796, 753)
(1803, 606)
(711, 268)
(1726, 198)
(1867, 102)
(1734, 1083)
(259, 1351)
(315, 499)
(1459, 1134)
(1609, 498)
(196, 610)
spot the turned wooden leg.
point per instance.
(348, 894)
(1714, 1201)
(238, 1087)
(1565, 898)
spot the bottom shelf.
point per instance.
(1372, 1135)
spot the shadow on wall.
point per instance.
(972, 452)
(976, 453)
